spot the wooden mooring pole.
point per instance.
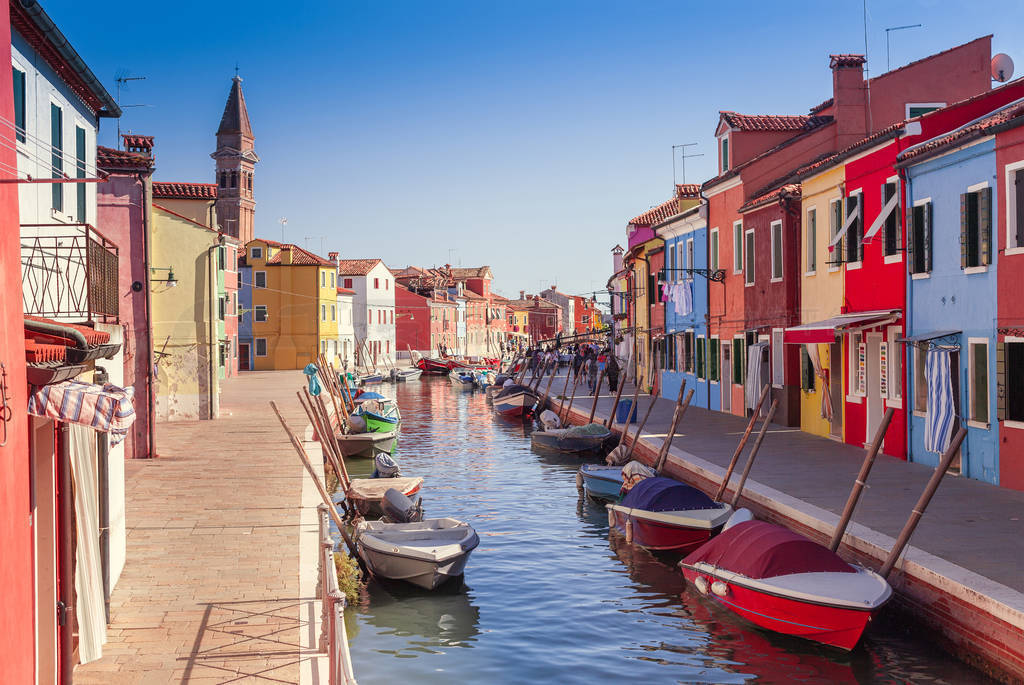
(743, 443)
(862, 478)
(753, 452)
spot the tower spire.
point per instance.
(236, 161)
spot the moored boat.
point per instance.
(461, 378)
(662, 513)
(515, 400)
(602, 482)
(782, 581)
(576, 439)
(400, 375)
(366, 444)
(433, 367)
(425, 553)
(367, 494)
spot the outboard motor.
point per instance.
(385, 467)
(400, 509)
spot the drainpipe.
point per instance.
(213, 322)
(722, 387)
(103, 471)
(908, 412)
(65, 532)
(147, 191)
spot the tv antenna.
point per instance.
(1002, 68)
(307, 238)
(682, 158)
(284, 224)
(122, 82)
(888, 31)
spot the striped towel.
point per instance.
(107, 408)
(938, 421)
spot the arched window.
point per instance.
(234, 179)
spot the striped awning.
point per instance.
(105, 408)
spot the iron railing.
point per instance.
(69, 271)
(333, 638)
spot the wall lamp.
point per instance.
(171, 281)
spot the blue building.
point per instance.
(246, 343)
(951, 293)
(686, 315)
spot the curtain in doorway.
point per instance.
(939, 415)
(826, 395)
(755, 374)
(92, 624)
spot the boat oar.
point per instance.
(753, 452)
(676, 415)
(618, 395)
(304, 458)
(862, 477)
(572, 399)
(743, 443)
(918, 511)
(597, 393)
(636, 436)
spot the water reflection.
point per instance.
(425, 620)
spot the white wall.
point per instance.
(115, 463)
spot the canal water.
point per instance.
(549, 597)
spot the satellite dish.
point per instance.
(1002, 67)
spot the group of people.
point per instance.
(589, 359)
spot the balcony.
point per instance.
(69, 273)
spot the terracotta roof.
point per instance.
(184, 191)
(470, 272)
(109, 159)
(825, 105)
(356, 267)
(688, 191)
(788, 191)
(236, 117)
(847, 60)
(134, 140)
(773, 122)
(300, 257)
(657, 214)
(1009, 116)
(346, 291)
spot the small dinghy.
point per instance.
(433, 367)
(575, 439)
(424, 553)
(399, 375)
(662, 513)
(515, 400)
(366, 444)
(366, 494)
(602, 482)
(461, 378)
(782, 581)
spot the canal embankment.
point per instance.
(962, 576)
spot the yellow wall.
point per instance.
(642, 314)
(200, 211)
(186, 389)
(293, 297)
(821, 294)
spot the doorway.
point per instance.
(725, 373)
(956, 466)
(835, 388)
(243, 357)
(873, 390)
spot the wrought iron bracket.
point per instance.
(716, 275)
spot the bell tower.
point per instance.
(235, 159)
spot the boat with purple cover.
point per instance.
(662, 513)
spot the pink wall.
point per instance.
(745, 145)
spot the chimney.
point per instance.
(522, 294)
(142, 145)
(849, 94)
(333, 256)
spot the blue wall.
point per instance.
(950, 299)
(706, 395)
(245, 312)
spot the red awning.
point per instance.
(827, 330)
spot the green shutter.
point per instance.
(803, 368)
(1001, 381)
(927, 237)
(19, 104)
(911, 267)
(963, 231)
(985, 224)
(700, 357)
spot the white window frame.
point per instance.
(256, 274)
(834, 228)
(689, 259)
(334, 312)
(854, 392)
(971, 421)
(256, 252)
(771, 236)
(811, 241)
(724, 160)
(859, 194)
(1011, 208)
(323, 279)
(737, 247)
(908, 105)
(898, 257)
(256, 347)
(895, 371)
(258, 308)
(778, 357)
(920, 354)
(748, 258)
(1008, 423)
(981, 268)
(715, 248)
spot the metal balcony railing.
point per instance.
(333, 638)
(69, 271)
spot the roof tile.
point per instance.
(184, 191)
(773, 122)
(356, 267)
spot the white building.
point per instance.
(346, 327)
(568, 308)
(373, 307)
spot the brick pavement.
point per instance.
(213, 588)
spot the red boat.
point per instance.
(784, 582)
(514, 401)
(661, 513)
(433, 367)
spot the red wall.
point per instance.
(17, 614)
(657, 313)
(725, 302)
(412, 321)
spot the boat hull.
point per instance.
(366, 444)
(553, 440)
(660, 535)
(433, 367)
(839, 627)
(519, 404)
(408, 374)
(425, 553)
(602, 482)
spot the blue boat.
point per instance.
(601, 482)
(461, 378)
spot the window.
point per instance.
(713, 352)
(332, 280)
(392, 316)
(811, 260)
(978, 379)
(222, 306)
(387, 286)
(1011, 354)
(689, 255)
(778, 359)
(916, 109)
(854, 237)
(19, 104)
(920, 380)
(748, 271)
(261, 347)
(256, 252)
(976, 227)
(835, 224)
(713, 257)
(348, 283)
(323, 347)
(737, 361)
(376, 284)
(688, 352)
(234, 179)
(919, 238)
(776, 250)
(700, 356)
(725, 155)
(806, 370)
(57, 156)
(260, 313)
(895, 363)
(323, 279)
(221, 258)
(80, 173)
(223, 179)
(891, 235)
(1015, 205)
(737, 247)
(259, 279)
(334, 311)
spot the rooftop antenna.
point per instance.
(683, 158)
(1002, 68)
(284, 224)
(122, 82)
(888, 31)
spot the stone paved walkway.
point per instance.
(216, 589)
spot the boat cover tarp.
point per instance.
(757, 549)
(513, 390)
(665, 494)
(370, 395)
(585, 431)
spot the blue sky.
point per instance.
(522, 135)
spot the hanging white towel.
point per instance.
(755, 375)
(939, 417)
(92, 622)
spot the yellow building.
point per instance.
(294, 313)
(821, 296)
(186, 279)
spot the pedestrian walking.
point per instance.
(613, 372)
(591, 363)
